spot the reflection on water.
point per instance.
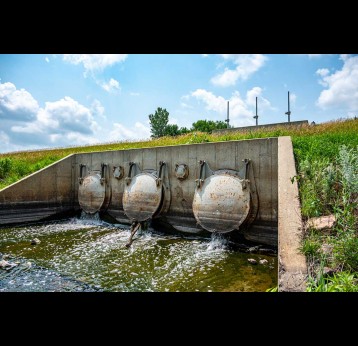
(89, 254)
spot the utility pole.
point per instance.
(289, 112)
(256, 116)
(228, 120)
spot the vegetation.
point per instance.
(159, 126)
(208, 125)
(327, 173)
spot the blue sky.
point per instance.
(70, 99)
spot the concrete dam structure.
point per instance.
(217, 187)
(237, 187)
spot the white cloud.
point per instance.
(111, 86)
(241, 111)
(25, 125)
(97, 109)
(251, 99)
(59, 117)
(185, 105)
(314, 56)
(134, 94)
(342, 86)
(120, 132)
(94, 62)
(245, 66)
(47, 59)
(322, 72)
(204, 55)
(16, 104)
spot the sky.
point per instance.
(59, 100)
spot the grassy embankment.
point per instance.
(327, 165)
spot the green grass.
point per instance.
(327, 173)
(340, 282)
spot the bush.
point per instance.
(5, 167)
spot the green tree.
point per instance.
(183, 131)
(208, 125)
(171, 130)
(158, 122)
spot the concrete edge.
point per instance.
(292, 275)
(36, 172)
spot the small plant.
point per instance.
(310, 247)
(272, 289)
(5, 167)
(340, 282)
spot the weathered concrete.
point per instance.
(42, 194)
(55, 189)
(264, 126)
(292, 264)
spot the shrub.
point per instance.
(5, 167)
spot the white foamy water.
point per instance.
(94, 252)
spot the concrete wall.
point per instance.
(258, 127)
(40, 195)
(292, 263)
(55, 189)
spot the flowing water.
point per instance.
(90, 255)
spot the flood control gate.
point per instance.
(217, 187)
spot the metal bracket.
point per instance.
(246, 173)
(103, 179)
(128, 179)
(159, 180)
(80, 179)
(205, 172)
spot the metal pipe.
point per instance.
(256, 116)
(288, 112)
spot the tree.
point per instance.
(208, 125)
(158, 122)
(159, 125)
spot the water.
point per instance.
(90, 255)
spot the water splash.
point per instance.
(92, 219)
(218, 242)
(94, 252)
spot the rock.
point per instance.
(252, 261)
(35, 241)
(253, 248)
(7, 265)
(328, 271)
(4, 264)
(263, 261)
(322, 223)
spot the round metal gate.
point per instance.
(91, 193)
(142, 198)
(221, 204)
